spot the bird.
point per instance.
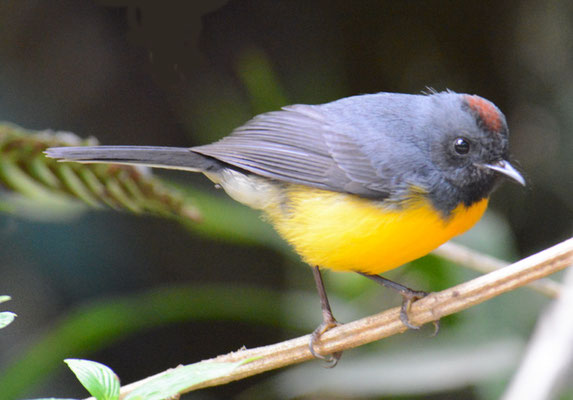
(364, 184)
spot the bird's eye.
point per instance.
(461, 146)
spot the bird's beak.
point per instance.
(507, 169)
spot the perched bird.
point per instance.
(365, 183)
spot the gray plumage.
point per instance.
(153, 156)
(376, 146)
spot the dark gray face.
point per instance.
(471, 151)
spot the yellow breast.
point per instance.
(348, 233)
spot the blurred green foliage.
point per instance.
(96, 325)
(337, 49)
(51, 185)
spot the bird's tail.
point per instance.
(159, 157)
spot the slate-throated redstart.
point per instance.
(364, 184)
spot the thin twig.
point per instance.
(369, 329)
(545, 366)
(484, 263)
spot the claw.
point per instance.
(409, 296)
(436, 324)
(328, 322)
(330, 359)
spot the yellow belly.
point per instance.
(347, 233)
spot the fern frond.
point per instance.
(26, 171)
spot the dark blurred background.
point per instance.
(179, 73)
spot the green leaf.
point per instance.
(97, 324)
(181, 379)
(98, 379)
(47, 184)
(6, 318)
(5, 298)
(14, 177)
(75, 185)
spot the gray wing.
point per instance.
(299, 145)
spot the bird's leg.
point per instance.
(328, 321)
(408, 297)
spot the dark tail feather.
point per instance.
(160, 157)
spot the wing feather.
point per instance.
(299, 145)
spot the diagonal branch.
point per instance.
(544, 370)
(369, 329)
(484, 263)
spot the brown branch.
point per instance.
(484, 263)
(369, 329)
(545, 366)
